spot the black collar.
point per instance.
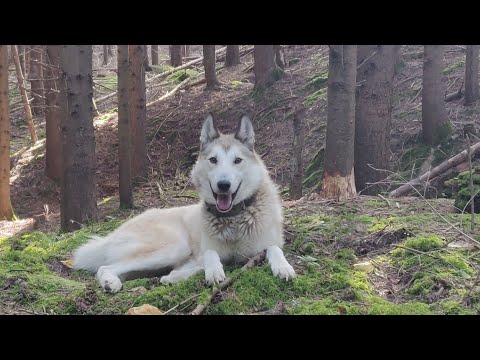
(236, 209)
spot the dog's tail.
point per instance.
(91, 255)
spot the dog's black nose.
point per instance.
(223, 185)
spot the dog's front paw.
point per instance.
(284, 271)
(214, 275)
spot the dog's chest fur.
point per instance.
(235, 228)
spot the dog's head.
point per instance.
(227, 170)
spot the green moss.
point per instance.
(382, 224)
(323, 307)
(314, 97)
(313, 171)
(383, 307)
(455, 66)
(181, 75)
(451, 307)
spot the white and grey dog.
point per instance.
(238, 216)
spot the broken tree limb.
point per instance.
(432, 174)
(223, 285)
(171, 93)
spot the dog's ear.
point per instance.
(209, 131)
(245, 132)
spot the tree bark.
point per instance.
(265, 68)
(137, 110)
(175, 55)
(21, 55)
(78, 184)
(55, 98)
(232, 57)
(435, 123)
(35, 76)
(297, 156)
(209, 65)
(338, 180)
(279, 56)
(373, 114)
(154, 49)
(110, 51)
(471, 75)
(105, 54)
(124, 161)
(23, 92)
(6, 211)
(145, 58)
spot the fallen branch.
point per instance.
(171, 93)
(432, 174)
(222, 286)
(456, 95)
(415, 251)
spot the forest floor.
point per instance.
(418, 263)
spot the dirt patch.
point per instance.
(57, 267)
(381, 241)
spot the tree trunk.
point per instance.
(175, 55)
(232, 57)
(279, 56)
(373, 114)
(187, 50)
(435, 123)
(266, 70)
(338, 176)
(154, 49)
(21, 55)
(28, 50)
(124, 161)
(471, 75)
(53, 112)
(35, 76)
(23, 92)
(110, 51)
(209, 65)
(105, 54)
(145, 58)
(137, 110)
(6, 211)
(297, 156)
(78, 190)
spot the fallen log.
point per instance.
(456, 95)
(432, 174)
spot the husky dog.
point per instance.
(239, 215)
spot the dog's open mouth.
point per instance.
(225, 200)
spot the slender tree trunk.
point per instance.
(187, 50)
(124, 161)
(279, 56)
(6, 211)
(35, 76)
(209, 65)
(266, 70)
(154, 54)
(373, 115)
(471, 75)
(78, 190)
(21, 55)
(297, 156)
(53, 112)
(23, 92)
(137, 110)
(105, 54)
(28, 50)
(110, 51)
(435, 123)
(175, 55)
(338, 176)
(232, 57)
(145, 58)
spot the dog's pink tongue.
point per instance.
(224, 201)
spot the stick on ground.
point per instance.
(223, 285)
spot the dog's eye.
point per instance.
(238, 161)
(213, 160)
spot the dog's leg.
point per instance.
(110, 276)
(183, 272)
(278, 263)
(214, 273)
